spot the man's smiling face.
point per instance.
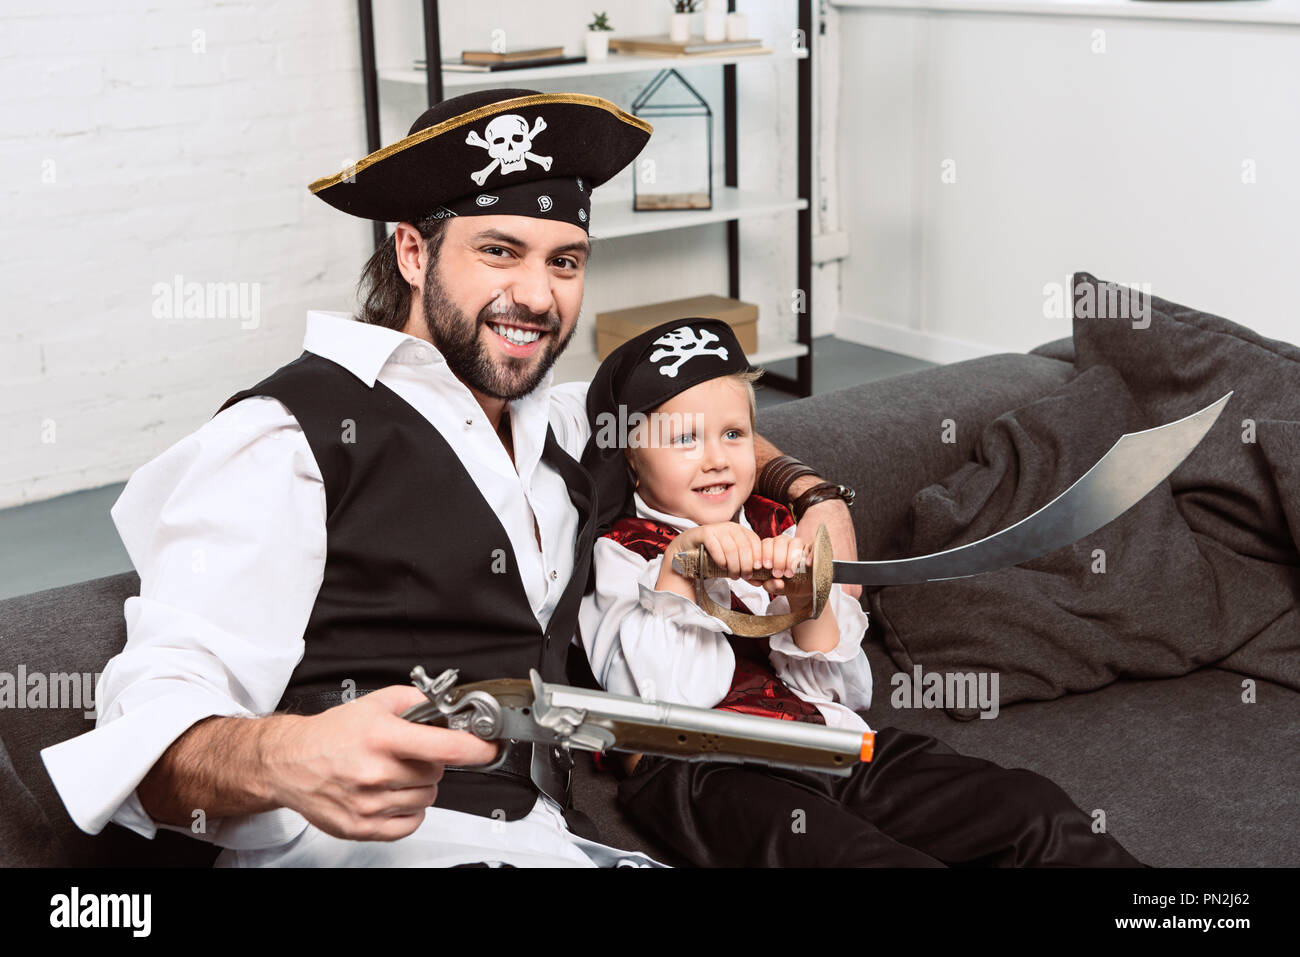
(505, 300)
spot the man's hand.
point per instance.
(844, 541)
(359, 771)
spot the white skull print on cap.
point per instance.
(683, 345)
(509, 142)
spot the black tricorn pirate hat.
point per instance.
(484, 140)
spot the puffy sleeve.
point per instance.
(653, 644)
(227, 532)
(841, 674)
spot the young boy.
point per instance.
(672, 414)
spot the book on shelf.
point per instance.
(661, 45)
(455, 66)
(490, 56)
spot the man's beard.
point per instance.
(459, 340)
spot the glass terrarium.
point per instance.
(675, 168)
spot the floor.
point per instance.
(72, 538)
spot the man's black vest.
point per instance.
(418, 568)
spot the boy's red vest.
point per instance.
(755, 688)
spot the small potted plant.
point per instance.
(679, 27)
(598, 31)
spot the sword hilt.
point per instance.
(817, 574)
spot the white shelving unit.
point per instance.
(617, 63)
(616, 218)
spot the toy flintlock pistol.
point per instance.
(1135, 464)
(561, 716)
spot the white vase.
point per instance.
(715, 25)
(597, 45)
(737, 26)
(679, 27)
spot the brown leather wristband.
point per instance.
(778, 475)
(818, 494)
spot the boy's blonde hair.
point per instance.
(748, 379)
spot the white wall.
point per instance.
(1120, 147)
(134, 149)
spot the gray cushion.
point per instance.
(1061, 349)
(1187, 773)
(1239, 487)
(26, 837)
(1179, 359)
(1166, 601)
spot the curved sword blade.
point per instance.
(1135, 464)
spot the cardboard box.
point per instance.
(616, 327)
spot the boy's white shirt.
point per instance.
(660, 645)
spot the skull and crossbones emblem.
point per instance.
(509, 142)
(684, 345)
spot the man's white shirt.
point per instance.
(227, 531)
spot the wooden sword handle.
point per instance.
(698, 565)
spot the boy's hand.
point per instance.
(785, 556)
(729, 544)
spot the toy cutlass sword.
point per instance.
(1135, 464)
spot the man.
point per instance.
(405, 492)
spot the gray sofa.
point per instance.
(1183, 775)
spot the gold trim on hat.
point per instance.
(473, 116)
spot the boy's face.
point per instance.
(700, 463)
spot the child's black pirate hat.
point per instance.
(503, 151)
(642, 373)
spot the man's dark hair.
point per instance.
(383, 295)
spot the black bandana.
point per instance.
(642, 373)
(564, 198)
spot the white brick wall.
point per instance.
(162, 139)
(178, 138)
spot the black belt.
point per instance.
(547, 768)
